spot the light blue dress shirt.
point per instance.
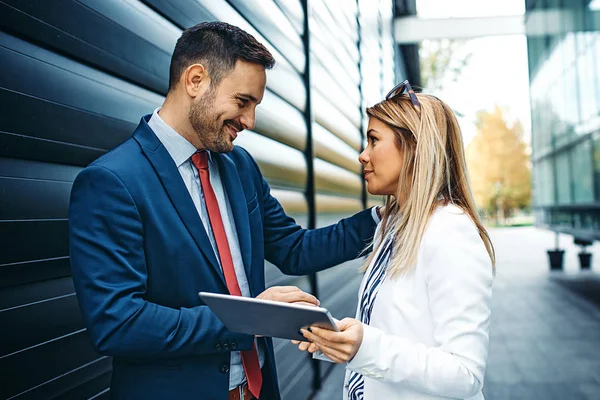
(181, 151)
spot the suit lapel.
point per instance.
(237, 201)
(167, 171)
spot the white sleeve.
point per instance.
(459, 276)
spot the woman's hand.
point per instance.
(340, 347)
(304, 346)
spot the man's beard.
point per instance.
(205, 122)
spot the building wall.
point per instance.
(76, 76)
(564, 67)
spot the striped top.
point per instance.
(356, 382)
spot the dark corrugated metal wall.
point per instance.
(76, 76)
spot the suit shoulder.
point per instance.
(242, 158)
(120, 159)
(241, 154)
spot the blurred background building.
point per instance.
(564, 71)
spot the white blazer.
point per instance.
(429, 331)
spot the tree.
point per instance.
(499, 165)
(442, 61)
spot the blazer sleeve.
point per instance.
(298, 251)
(458, 275)
(109, 272)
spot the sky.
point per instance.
(497, 72)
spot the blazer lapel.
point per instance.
(237, 201)
(167, 171)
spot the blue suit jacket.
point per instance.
(140, 255)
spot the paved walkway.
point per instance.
(545, 334)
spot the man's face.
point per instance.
(223, 111)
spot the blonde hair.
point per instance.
(434, 172)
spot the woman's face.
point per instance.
(381, 160)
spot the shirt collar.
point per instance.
(179, 148)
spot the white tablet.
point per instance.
(265, 317)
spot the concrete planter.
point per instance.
(585, 260)
(556, 259)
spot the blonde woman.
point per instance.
(421, 328)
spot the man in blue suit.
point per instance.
(176, 210)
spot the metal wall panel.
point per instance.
(280, 121)
(333, 120)
(270, 20)
(329, 147)
(377, 59)
(75, 78)
(130, 46)
(284, 167)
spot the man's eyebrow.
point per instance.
(248, 96)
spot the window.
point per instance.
(583, 184)
(571, 100)
(543, 183)
(597, 167)
(588, 76)
(563, 178)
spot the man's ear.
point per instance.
(196, 80)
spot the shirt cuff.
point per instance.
(363, 360)
(375, 215)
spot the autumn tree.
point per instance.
(499, 165)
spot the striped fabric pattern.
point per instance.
(356, 383)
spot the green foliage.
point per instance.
(442, 61)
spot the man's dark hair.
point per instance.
(217, 46)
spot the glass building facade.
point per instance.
(563, 39)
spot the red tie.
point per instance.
(249, 357)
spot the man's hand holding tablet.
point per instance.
(267, 317)
(289, 294)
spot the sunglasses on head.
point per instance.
(402, 88)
